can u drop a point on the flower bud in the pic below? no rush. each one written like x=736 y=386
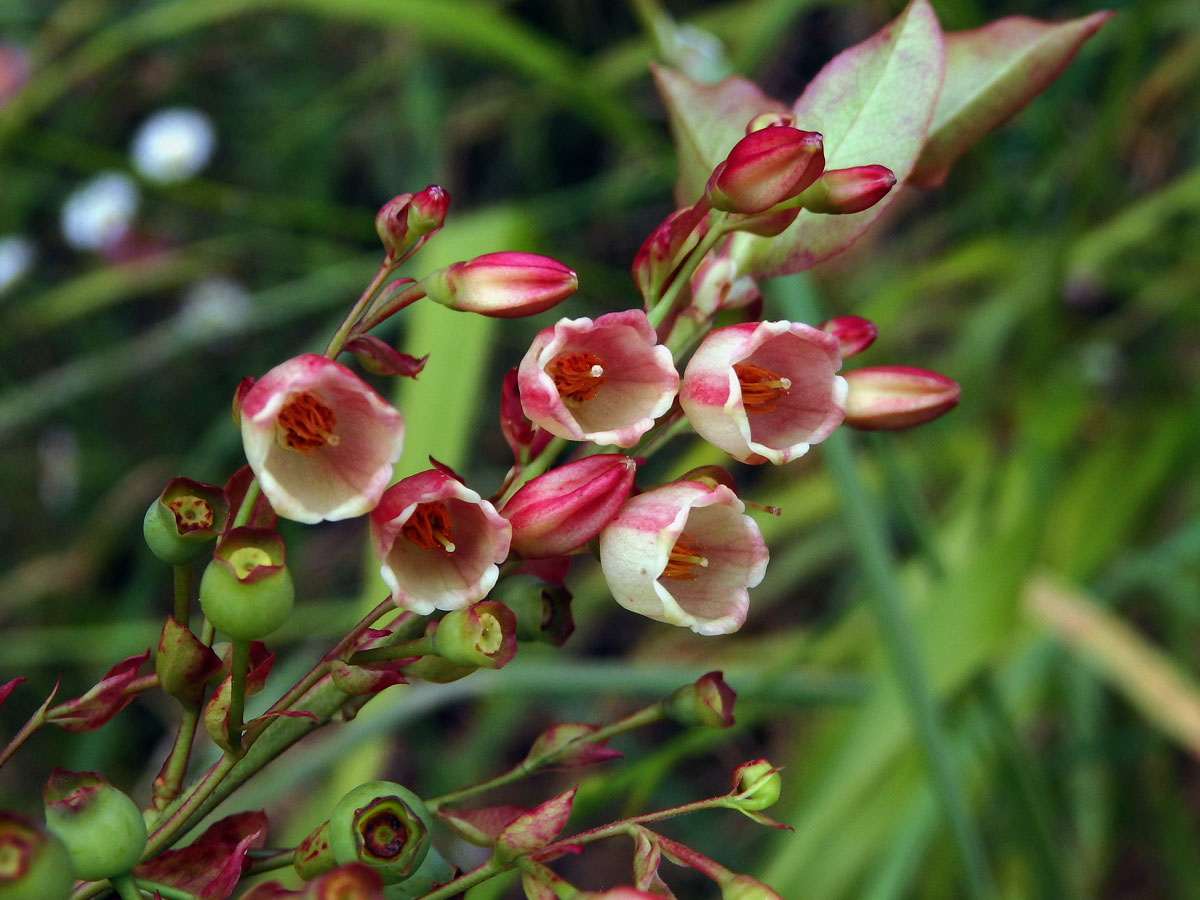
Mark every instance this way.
x=408 y=218
x=483 y=635
x=383 y=825
x=102 y=828
x=502 y=285
x=743 y=887
x=854 y=334
x=842 y=191
x=764 y=168
x=756 y=785
x=184 y=518
x=888 y=398
x=566 y=507
x=246 y=591
x=655 y=263
x=34 y=864
x=707 y=702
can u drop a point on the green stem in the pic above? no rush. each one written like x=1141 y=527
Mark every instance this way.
x=869 y=540
x=533 y=468
x=36 y=721
x=239 y=667
x=658 y=314
x=269 y=860
x=164 y=890
x=125 y=886
x=178 y=816
x=167 y=785
x=247 y=506
x=489 y=869
x=334 y=347
x=422 y=646
x=183 y=592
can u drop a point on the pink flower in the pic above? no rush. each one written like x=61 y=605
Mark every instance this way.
x=685 y=554
x=502 y=285
x=319 y=440
x=437 y=542
x=604 y=381
x=764 y=391
x=565 y=508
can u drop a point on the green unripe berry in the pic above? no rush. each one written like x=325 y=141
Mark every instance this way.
x=102 y=828
x=384 y=825
x=756 y=785
x=246 y=591
x=184 y=519
x=34 y=864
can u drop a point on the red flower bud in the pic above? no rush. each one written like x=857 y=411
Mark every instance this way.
x=565 y=508
x=764 y=168
x=888 y=398
x=405 y=221
x=854 y=334
x=502 y=285
x=852 y=190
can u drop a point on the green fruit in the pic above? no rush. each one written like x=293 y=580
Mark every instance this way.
x=246 y=591
x=102 y=828
x=34 y=864
x=384 y=825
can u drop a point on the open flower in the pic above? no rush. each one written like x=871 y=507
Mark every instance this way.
x=320 y=441
x=605 y=380
x=438 y=542
x=684 y=553
x=764 y=391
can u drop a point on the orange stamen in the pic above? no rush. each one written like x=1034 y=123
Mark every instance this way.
x=685 y=556
x=306 y=424
x=429 y=527
x=761 y=388
x=577 y=375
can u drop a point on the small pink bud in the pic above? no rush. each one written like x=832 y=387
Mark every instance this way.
x=707 y=702
x=565 y=508
x=841 y=191
x=502 y=285
x=854 y=334
x=888 y=398
x=407 y=219
x=764 y=168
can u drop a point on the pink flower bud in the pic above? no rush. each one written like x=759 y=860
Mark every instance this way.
x=841 y=191
x=502 y=285
x=659 y=256
x=565 y=508
x=888 y=398
x=854 y=334
x=764 y=168
x=605 y=380
x=321 y=442
x=684 y=554
x=438 y=542
x=408 y=218
x=764 y=391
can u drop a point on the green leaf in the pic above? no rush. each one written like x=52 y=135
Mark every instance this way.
x=706 y=121
x=873 y=104
x=991 y=73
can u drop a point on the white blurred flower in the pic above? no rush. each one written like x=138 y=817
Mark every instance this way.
x=16 y=259
x=214 y=306
x=100 y=211
x=173 y=144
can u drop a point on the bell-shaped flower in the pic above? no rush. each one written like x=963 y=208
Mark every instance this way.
x=438 y=543
x=321 y=442
x=764 y=391
x=684 y=553
x=566 y=507
x=604 y=380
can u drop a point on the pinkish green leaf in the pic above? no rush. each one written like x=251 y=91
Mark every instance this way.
x=706 y=121
x=536 y=828
x=210 y=867
x=991 y=73
x=873 y=104
x=483 y=825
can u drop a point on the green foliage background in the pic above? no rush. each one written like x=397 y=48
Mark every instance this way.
x=1040 y=545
